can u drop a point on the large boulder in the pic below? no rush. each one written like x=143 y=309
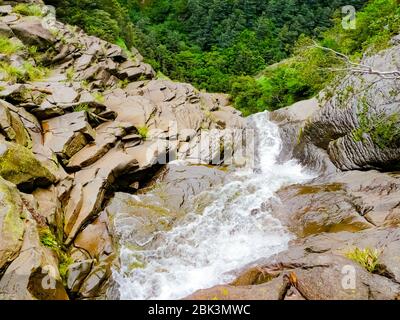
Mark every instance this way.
x=34 y=274
x=11 y=222
x=19 y=165
x=166 y=199
x=30 y=31
x=358 y=127
x=67 y=134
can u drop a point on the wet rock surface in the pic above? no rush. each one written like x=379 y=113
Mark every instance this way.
x=161 y=204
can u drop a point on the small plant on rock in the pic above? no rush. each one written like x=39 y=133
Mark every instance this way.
x=143 y=132
x=82 y=107
x=367 y=258
x=35 y=73
x=8 y=46
x=70 y=74
x=48 y=239
x=28 y=9
x=98 y=97
x=10 y=73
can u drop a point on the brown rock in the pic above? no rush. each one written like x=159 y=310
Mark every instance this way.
x=34 y=274
x=66 y=135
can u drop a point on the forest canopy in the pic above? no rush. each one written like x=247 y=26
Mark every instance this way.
x=256 y=50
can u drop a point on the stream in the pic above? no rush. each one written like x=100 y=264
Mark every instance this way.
x=227 y=234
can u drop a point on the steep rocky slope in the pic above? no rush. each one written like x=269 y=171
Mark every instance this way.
x=81 y=119
x=346 y=221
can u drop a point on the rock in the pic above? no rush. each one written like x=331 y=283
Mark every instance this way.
x=63 y=95
x=11 y=222
x=314 y=208
x=116 y=53
x=77 y=273
x=11 y=124
x=50 y=208
x=96 y=239
x=19 y=165
x=5 y=30
x=293 y=116
x=291 y=121
x=34 y=274
x=5 y=10
x=314 y=270
x=224 y=118
x=31 y=32
x=131 y=109
x=92 y=285
x=106 y=135
x=164 y=201
x=376 y=194
x=357 y=126
x=273 y=290
x=67 y=134
x=91 y=183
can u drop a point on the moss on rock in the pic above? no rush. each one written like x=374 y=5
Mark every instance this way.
x=11 y=222
x=19 y=165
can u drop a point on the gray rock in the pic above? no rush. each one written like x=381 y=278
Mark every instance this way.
x=77 y=273
x=31 y=32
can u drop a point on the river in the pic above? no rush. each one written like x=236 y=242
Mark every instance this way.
x=229 y=233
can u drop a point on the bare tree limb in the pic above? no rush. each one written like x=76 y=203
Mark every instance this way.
x=354 y=67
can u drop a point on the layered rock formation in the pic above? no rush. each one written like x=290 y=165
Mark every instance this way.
x=82 y=119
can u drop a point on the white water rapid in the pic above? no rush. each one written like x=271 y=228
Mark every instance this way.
x=229 y=233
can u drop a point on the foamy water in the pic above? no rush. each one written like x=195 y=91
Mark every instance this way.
x=229 y=233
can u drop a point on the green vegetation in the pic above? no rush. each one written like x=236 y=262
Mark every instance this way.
x=259 y=51
x=367 y=258
x=11 y=73
x=107 y=19
x=70 y=74
x=98 y=97
x=27 y=72
x=8 y=46
x=383 y=129
x=82 y=107
x=143 y=132
x=48 y=239
x=34 y=73
x=28 y=9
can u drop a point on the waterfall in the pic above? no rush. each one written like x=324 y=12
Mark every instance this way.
x=229 y=233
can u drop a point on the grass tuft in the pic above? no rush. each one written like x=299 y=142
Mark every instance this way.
x=28 y=9
x=367 y=258
x=143 y=132
x=8 y=46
